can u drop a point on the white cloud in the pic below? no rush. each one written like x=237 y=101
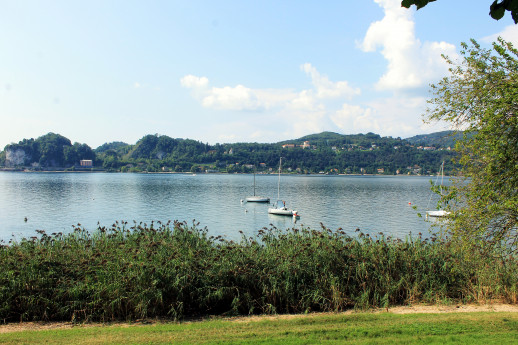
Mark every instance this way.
x=355 y=119
x=411 y=64
x=193 y=82
x=231 y=98
x=241 y=97
x=326 y=88
x=327 y=104
x=227 y=138
x=399 y=115
x=302 y=121
x=510 y=34
x=305 y=100
x=234 y=98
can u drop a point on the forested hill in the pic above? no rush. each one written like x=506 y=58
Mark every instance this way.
x=437 y=139
x=326 y=152
x=336 y=139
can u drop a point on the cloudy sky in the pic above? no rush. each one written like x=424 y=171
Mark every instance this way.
x=226 y=71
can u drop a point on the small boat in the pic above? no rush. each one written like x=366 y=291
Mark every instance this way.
x=281 y=209
x=256 y=198
x=438 y=213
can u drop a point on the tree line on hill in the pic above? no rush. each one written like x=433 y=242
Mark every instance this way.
x=327 y=152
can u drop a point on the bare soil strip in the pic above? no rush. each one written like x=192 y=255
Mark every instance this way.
x=417 y=309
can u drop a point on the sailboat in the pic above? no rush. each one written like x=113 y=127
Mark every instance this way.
x=280 y=208
x=438 y=213
x=256 y=198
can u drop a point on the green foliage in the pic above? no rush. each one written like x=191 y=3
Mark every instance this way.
x=50 y=150
x=176 y=271
x=496 y=10
x=437 y=139
x=328 y=152
x=418 y=3
x=481 y=95
x=73 y=154
x=116 y=146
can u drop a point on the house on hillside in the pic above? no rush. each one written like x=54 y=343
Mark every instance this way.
x=86 y=163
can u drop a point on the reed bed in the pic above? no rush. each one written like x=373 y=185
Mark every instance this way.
x=176 y=271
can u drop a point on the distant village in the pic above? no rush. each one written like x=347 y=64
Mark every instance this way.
x=410 y=170
x=353 y=147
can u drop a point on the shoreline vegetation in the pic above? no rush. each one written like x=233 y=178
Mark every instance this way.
x=202 y=173
x=101 y=170
x=175 y=271
x=323 y=153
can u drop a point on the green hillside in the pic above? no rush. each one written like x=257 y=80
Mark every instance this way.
x=437 y=139
x=336 y=139
x=326 y=152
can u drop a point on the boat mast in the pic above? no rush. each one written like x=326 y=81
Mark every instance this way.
x=442 y=175
x=279 y=182
x=254 y=181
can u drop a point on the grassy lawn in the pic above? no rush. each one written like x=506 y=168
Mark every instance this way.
x=358 y=328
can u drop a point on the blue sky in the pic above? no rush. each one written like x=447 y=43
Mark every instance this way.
x=227 y=71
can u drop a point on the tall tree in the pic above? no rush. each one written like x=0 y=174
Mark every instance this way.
x=496 y=9
x=481 y=96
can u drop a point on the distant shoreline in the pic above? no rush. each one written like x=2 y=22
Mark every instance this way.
x=201 y=173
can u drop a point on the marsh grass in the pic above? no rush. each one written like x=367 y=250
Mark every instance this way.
x=176 y=271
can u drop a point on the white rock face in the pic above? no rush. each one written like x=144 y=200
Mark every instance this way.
x=15 y=157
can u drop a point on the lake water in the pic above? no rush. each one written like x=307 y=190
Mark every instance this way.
x=55 y=201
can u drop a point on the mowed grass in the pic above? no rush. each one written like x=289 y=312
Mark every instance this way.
x=356 y=328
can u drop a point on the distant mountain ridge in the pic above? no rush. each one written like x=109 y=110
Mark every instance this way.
x=332 y=138
x=325 y=152
x=437 y=139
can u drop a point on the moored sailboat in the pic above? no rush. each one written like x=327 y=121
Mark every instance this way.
x=438 y=213
x=280 y=207
x=257 y=198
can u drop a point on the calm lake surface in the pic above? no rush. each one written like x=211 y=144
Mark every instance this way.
x=55 y=201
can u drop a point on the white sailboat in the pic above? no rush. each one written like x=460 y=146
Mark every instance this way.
x=438 y=213
x=280 y=207
x=257 y=198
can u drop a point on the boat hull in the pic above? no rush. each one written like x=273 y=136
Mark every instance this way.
x=282 y=211
x=439 y=213
x=257 y=199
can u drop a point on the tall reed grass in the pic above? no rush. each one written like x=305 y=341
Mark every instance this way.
x=176 y=270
